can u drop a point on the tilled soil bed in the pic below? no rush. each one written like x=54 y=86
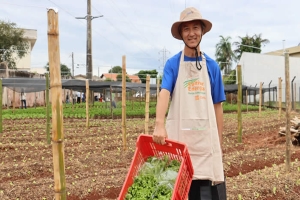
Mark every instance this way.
x=96 y=164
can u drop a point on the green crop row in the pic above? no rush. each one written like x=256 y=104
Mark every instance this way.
x=101 y=110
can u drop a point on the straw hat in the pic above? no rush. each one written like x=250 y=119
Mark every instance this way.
x=189 y=14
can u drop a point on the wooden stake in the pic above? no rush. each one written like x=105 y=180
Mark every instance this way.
x=47 y=110
x=287 y=111
x=87 y=93
x=239 y=103
x=124 y=101
x=147 y=105
x=57 y=108
x=279 y=96
x=260 y=98
x=111 y=110
x=295 y=97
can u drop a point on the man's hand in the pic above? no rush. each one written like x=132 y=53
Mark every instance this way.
x=160 y=135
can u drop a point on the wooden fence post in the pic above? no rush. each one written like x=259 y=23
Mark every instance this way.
x=87 y=96
x=279 y=96
x=147 y=105
x=57 y=108
x=239 y=103
x=124 y=101
x=47 y=110
x=287 y=111
x=260 y=98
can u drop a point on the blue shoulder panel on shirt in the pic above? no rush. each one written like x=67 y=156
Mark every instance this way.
x=171 y=73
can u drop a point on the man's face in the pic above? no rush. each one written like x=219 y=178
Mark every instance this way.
x=191 y=33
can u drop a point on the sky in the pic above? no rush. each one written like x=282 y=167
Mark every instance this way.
x=141 y=30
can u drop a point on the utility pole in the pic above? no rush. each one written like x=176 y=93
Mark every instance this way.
x=73 y=65
x=89 y=18
x=164 y=51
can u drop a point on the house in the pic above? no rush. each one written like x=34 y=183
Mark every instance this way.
x=113 y=77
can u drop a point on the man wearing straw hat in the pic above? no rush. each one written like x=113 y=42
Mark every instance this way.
x=194 y=83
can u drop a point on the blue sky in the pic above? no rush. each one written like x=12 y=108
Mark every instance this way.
x=140 y=29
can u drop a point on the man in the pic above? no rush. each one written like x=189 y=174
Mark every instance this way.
x=194 y=82
x=23 y=100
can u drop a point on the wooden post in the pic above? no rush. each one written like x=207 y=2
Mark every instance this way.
x=57 y=108
x=287 y=111
x=47 y=110
x=260 y=98
x=1 y=89
x=87 y=93
x=279 y=96
x=239 y=103
x=295 y=97
x=111 y=110
x=147 y=105
x=157 y=89
x=124 y=101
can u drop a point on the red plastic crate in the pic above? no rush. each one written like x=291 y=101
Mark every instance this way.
x=145 y=148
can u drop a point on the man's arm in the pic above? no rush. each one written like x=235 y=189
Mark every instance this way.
x=219 y=118
x=160 y=133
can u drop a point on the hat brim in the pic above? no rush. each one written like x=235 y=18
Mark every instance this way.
x=175 y=26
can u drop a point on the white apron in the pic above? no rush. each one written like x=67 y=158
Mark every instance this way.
x=191 y=120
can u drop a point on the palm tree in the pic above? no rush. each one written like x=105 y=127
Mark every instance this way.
x=249 y=44
x=258 y=41
x=224 y=54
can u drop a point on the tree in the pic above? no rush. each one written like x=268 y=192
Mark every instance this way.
x=249 y=44
x=13 y=45
x=230 y=78
x=108 y=79
x=143 y=74
x=64 y=70
x=224 y=54
x=119 y=78
x=115 y=69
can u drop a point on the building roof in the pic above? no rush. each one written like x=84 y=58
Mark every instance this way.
x=293 y=51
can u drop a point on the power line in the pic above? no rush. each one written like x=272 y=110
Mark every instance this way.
x=121 y=30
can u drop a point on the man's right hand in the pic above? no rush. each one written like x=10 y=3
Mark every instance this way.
x=160 y=135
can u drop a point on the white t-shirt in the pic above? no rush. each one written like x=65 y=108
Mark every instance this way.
x=23 y=96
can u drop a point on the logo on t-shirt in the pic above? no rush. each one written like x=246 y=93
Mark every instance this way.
x=195 y=87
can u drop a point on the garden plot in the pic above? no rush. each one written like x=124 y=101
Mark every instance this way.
x=96 y=164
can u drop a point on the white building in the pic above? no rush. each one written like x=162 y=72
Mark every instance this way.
x=266 y=68
x=25 y=62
